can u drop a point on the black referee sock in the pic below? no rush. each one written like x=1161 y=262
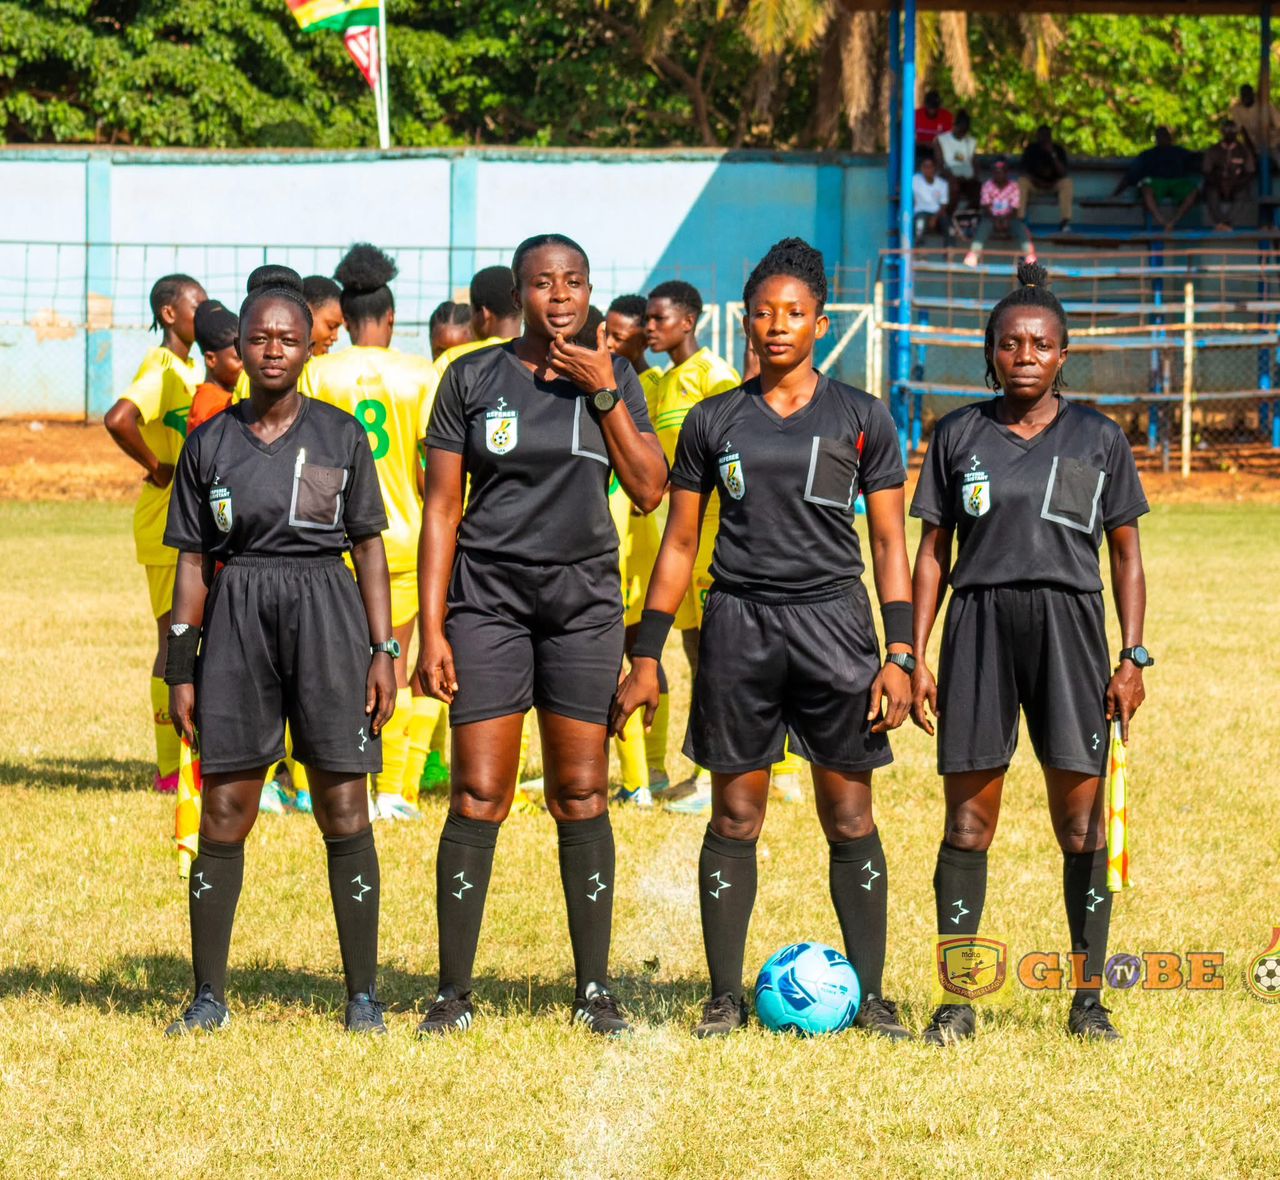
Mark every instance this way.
x=463 y=868
x=726 y=895
x=1084 y=888
x=959 y=889
x=214 y=889
x=860 y=891
x=356 y=888
x=586 y=871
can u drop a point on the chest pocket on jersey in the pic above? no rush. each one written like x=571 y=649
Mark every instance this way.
x=317 y=495
x=833 y=473
x=1072 y=494
x=588 y=438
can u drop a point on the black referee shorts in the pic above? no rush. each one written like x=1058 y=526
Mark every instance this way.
x=1038 y=647
x=542 y=636
x=285 y=639
x=766 y=670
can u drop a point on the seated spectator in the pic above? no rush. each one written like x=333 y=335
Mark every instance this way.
x=1001 y=206
x=932 y=120
x=953 y=152
x=929 y=198
x=1259 y=122
x=1164 y=172
x=1228 y=168
x=1044 y=170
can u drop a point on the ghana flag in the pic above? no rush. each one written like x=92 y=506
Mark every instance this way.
x=338 y=15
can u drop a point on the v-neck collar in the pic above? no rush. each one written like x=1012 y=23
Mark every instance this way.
x=509 y=351
x=779 y=422
x=1023 y=444
x=272 y=447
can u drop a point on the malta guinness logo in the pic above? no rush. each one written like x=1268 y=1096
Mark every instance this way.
x=501 y=428
x=970 y=967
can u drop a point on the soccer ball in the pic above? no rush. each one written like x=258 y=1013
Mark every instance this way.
x=807 y=989
x=1266 y=975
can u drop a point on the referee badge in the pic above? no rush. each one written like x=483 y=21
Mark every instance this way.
x=977 y=490
x=501 y=428
x=731 y=473
x=220 y=502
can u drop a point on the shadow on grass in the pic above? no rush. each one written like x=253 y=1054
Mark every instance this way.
x=141 y=983
x=80 y=774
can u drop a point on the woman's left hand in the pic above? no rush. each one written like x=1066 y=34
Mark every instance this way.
x=1124 y=694
x=892 y=686
x=588 y=368
x=380 y=691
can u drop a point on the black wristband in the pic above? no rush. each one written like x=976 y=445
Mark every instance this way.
x=896 y=618
x=655 y=626
x=180 y=658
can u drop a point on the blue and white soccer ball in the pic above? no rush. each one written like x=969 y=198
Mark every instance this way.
x=808 y=989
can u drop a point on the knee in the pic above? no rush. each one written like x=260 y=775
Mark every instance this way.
x=739 y=821
x=224 y=818
x=479 y=801
x=1079 y=834
x=345 y=812
x=848 y=823
x=577 y=799
x=968 y=832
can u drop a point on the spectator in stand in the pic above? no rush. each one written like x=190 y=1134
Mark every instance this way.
x=929 y=197
x=1044 y=170
x=1259 y=122
x=932 y=120
x=1228 y=168
x=953 y=151
x=1001 y=205
x=1164 y=172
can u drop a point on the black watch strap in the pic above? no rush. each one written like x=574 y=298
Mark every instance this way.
x=904 y=659
x=1137 y=655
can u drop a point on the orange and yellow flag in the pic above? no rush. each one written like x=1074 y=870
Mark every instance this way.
x=186 y=826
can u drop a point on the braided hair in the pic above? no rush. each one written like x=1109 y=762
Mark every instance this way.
x=365 y=272
x=449 y=313
x=1032 y=291
x=165 y=292
x=277 y=282
x=795 y=258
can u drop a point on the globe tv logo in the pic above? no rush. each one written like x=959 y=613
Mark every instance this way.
x=1151 y=971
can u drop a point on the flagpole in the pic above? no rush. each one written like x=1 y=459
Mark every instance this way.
x=384 y=107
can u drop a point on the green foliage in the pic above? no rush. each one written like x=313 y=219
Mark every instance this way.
x=239 y=73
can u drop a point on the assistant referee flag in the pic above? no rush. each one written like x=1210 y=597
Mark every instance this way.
x=338 y=15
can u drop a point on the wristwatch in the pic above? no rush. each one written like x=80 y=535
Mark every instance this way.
x=604 y=400
x=1137 y=655
x=391 y=647
x=904 y=659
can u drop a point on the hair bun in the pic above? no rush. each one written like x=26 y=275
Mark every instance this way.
x=274 y=275
x=365 y=268
x=1032 y=274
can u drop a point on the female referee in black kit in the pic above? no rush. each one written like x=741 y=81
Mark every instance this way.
x=1029 y=483
x=278 y=487
x=521 y=605
x=788 y=644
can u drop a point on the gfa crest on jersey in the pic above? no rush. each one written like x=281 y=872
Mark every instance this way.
x=731 y=473
x=501 y=428
x=220 y=502
x=976 y=492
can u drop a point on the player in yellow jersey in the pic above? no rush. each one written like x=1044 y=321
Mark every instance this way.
x=696 y=373
x=324 y=297
x=389 y=393
x=148 y=423
x=640 y=758
x=449 y=326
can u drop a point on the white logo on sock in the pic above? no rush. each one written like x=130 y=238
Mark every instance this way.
x=961 y=911
x=721 y=885
x=600 y=886
x=204 y=885
x=872 y=874
x=358 y=879
x=465 y=884
x=1093 y=899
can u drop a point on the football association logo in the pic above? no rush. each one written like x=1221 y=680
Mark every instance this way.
x=969 y=967
x=502 y=428
x=1262 y=976
x=976 y=492
x=220 y=502
x=731 y=474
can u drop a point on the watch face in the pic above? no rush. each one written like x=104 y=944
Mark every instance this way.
x=1140 y=655
x=605 y=399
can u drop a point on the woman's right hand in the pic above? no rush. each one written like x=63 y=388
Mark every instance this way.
x=182 y=710
x=435 y=667
x=639 y=687
x=924 y=690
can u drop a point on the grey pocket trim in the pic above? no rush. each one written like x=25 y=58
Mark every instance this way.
x=808 y=483
x=577 y=437
x=294 y=519
x=1045 y=514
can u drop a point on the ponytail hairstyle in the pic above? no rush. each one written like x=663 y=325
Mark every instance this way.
x=276 y=281
x=795 y=258
x=1032 y=291
x=365 y=274
x=165 y=292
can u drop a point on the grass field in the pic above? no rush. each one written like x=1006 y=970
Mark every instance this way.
x=93 y=958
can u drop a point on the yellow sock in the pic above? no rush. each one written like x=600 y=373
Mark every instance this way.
x=791 y=762
x=655 y=741
x=422 y=723
x=166 y=736
x=632 y=757
x=395 y=745
x=525 y=732
x=440 y=735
